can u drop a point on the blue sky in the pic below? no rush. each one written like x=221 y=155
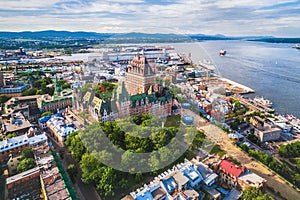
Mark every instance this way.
x=231 y=17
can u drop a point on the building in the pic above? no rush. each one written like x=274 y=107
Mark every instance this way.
x=2 y=80
x=60 y=100
x=53 y=185
x=180 y=182
x=16 y=124
x=238 y=177
x=210 y=178
x=268 y=133
x=24 y=185
x=15 y=89
x=136 y=95
x=257 y=122
x=191 y=172
x=53 y=103
x=15 y=145
x=60 y=128
x=139 y=76
x=25 y=104
x=43 y=120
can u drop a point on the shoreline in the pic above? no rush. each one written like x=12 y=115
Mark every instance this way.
x=245 y=88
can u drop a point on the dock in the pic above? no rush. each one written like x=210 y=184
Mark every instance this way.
x=235 y=87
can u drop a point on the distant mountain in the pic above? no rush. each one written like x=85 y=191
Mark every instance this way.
x=52 y=34
x=135 y=37
x=277 y=40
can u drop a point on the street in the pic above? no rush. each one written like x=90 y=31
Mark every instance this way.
x=220 y=137
x=83 y=191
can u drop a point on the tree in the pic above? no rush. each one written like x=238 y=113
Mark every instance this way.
x=253 y=193
x=66 y=86
x=11 y=135
x=61 y=153
x=4 y=98
x=253 y=138
x=290 y=150
x=75 y=146
x=27 y=153
x=29 y=92
x=72 y=171
x=26 y=164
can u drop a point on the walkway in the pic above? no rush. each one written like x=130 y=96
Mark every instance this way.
x=218 y=136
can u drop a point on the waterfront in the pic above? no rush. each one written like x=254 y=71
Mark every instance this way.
x=272 y=70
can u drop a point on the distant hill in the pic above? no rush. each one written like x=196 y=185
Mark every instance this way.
x=52 y=34
x=135 y=37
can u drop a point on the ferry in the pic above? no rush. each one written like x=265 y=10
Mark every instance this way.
x=222 y=52
x=296 y=46
x=265 y=102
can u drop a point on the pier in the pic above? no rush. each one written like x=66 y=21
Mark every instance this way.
x=235 y=87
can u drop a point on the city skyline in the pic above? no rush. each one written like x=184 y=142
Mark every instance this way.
x=231 y=18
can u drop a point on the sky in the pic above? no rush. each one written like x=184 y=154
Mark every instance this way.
x=227 y=17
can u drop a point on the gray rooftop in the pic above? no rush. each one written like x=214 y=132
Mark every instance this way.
x=22 y=175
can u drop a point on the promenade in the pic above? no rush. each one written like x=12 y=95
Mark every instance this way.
x=218 y=136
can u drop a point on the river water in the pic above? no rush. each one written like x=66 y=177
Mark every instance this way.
x=272 y=70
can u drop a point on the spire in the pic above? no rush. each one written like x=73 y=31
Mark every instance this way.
x=58 y=88
x=150 y=90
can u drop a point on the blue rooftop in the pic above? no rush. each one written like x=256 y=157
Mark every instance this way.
x=145 y=196
x=47 y=117
x=170 y=185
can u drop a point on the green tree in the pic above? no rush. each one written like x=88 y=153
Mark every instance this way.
x=66 y=86
x=4 y=98
x=27 y=153
x=72 y=171
x=29 y=92
x=75 y=146
x=290 y=150
x=11 y=135
x=253 y=193
x=25 y=164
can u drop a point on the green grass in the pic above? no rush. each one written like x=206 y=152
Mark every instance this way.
x=217 y=150
x=173 y=121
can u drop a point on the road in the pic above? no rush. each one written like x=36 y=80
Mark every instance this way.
x=218 y=136
x=83 y=191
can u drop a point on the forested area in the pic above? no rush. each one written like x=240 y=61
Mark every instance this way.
x=131 y=137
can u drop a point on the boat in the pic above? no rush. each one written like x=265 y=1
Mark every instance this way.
x=222 y=52
x=265 y=102
x=296 y=46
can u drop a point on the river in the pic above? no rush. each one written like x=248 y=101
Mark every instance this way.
x=272 y=70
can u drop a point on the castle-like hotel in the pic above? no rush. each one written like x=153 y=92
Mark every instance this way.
x=138 y=93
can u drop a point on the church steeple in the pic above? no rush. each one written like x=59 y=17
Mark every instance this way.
x=58 y=88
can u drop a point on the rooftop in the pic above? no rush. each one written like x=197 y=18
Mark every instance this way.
x=14 y=142
x=17 y=122
x=22 y=175
x=21 y=98
x=57 y=191
x=252 y=178
x=60 y=126
x=37 y=139
x=230 y=168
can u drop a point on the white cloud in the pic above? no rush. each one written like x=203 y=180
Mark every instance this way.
x=231 y=17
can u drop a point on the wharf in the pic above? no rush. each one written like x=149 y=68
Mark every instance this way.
x=235 y=87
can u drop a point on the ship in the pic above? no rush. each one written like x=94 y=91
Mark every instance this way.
x=296 y=46
x=222 y=52
x=265 y=102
